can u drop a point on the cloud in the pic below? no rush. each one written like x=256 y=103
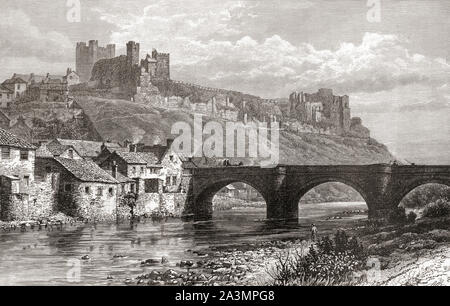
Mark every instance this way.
x=20 y=38
x=208 y=44
x=275 y=66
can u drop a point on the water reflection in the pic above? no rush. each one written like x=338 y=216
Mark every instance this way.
x=116 y=250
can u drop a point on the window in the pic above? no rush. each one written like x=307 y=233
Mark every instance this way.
x=142 y=170
x=171 y=158
x=99 y=191
x=174 y=180
x=133 y=187
x=67 y=187
x=168 y=180
x=134 y=170
x=23 y=155
x=26 y=180
x=6 y=153
x=111 y=191
x=70 y=153
x=87 y=189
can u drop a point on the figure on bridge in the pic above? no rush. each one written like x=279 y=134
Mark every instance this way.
x=313 y=232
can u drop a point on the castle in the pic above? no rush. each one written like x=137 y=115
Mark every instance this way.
x=87 y=56
x=321 y=107
x=148 y=81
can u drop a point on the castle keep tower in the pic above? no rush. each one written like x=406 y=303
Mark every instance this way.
x=88 y=55
x=132 y=53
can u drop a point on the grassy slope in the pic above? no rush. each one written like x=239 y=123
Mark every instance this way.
x=119 y=120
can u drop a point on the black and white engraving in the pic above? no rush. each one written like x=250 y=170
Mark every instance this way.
x=224 y=143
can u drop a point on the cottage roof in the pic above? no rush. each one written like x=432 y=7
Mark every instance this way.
x=43 y=151
x=85 y=148
x=5 y=89
x=120 y=177
x=86 y=170
x=55 y=149
x=142 y=158
x=14 y=80
x=11 y=140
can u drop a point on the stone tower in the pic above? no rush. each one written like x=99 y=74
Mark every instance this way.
x=162 y=64
x=88 y=55
x=132 y=53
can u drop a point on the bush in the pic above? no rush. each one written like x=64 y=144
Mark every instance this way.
x=440 y=208
x=397 y=216
x=426 y=194
x=330 y=262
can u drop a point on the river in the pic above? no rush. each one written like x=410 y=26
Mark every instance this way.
x=114 y=251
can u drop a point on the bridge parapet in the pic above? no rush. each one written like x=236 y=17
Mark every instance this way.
x=381 y=185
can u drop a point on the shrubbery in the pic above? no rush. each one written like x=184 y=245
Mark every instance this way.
x=330 y=261
x=439 y=208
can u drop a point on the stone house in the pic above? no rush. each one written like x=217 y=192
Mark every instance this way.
x=6 y=96
x=79 y=187
x=17 y=160
x=17 y=85
x=71 y=77
x=145 y=172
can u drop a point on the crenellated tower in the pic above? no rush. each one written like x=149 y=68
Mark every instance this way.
x=133 y=53
x=88 y=55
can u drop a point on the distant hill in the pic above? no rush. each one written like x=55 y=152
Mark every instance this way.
x=119 y=120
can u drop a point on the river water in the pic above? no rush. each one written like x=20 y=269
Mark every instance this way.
x=54 y=257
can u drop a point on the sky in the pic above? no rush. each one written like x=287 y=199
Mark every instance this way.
x=395 y=68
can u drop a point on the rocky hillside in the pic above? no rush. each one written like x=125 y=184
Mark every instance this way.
x=35 y=121
x=120 y=119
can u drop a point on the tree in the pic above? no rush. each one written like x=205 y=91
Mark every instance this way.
x=130 y=200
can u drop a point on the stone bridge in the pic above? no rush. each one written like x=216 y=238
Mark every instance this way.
x=382 y=186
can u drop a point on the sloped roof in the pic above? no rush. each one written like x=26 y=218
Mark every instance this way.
x=85 y=148
x=5 y=89
x=11 y=140
x=120 y=177
x=43 y=151
x=14 y=80
x=86 y=170
x=57 y=149
x=142 y=158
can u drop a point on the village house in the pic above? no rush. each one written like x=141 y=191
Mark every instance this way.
x=76 y=186
x=6 y=96
x=17 y=85
x=71 y=77
x=17 y=161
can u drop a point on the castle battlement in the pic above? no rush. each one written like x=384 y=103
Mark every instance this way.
x=88 y=54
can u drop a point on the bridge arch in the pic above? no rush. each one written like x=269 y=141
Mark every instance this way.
x=208 y=191
x=407 y=188
x=311 y=184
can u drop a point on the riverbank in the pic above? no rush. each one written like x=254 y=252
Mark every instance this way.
x=417 y=254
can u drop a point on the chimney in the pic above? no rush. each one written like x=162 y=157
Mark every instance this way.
x=169 y=142
x=114 y=169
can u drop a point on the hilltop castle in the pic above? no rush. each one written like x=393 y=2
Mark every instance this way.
x=321 y=107
x=87 y=56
